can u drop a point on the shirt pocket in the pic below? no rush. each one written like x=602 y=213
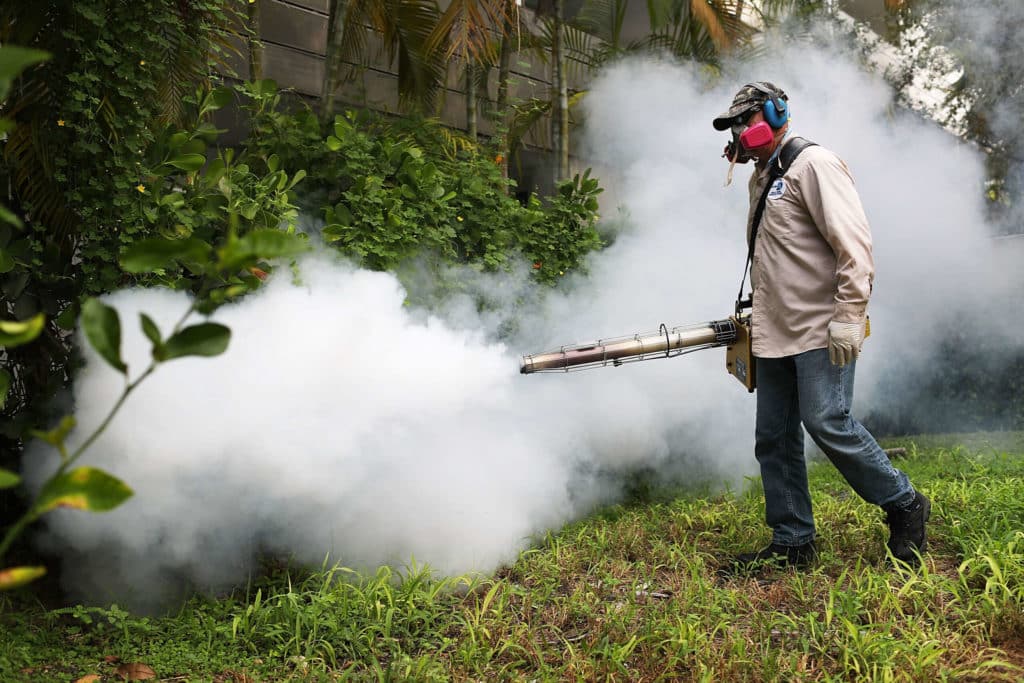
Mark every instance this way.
x=781 y=214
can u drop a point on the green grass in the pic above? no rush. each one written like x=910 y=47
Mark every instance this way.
x=628 y=594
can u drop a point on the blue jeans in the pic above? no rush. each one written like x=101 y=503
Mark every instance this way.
x=807 y=388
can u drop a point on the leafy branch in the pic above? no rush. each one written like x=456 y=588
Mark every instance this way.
x=92 y=489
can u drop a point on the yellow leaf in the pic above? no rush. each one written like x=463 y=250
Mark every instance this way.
x=78 y=502
x=84 y=488
x=13 y=577
x=90 y=678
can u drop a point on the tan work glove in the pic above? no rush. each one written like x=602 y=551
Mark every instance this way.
x=844 y=342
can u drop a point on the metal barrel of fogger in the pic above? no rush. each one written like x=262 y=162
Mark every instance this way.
x=661 y=344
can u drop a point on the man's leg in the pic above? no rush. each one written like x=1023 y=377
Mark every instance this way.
x=826 y=394
x=779 y=448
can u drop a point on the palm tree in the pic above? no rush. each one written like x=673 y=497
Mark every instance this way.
x=476 y=32
x=404 y=27
x=697 y=29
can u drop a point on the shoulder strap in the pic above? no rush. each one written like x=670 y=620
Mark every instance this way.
x=790 y=151
x=778 y=169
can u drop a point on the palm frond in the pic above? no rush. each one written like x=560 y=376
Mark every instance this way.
x=405 y=27
x=185 y=64
x=580 y=45
x=693 y=23
x=466 y=28
x=27 y=154
x=424 y=73
x=454 y=143
x=524 y=118
x=708 y=15
x=28 y=151
x=603 y=19
x=583 y=53
x=356 y=18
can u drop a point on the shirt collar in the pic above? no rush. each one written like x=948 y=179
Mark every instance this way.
x=775 y=154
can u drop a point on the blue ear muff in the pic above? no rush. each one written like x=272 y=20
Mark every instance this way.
x=776 y=112
x=775 y=108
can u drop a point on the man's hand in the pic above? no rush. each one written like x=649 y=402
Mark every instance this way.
x=844 y=342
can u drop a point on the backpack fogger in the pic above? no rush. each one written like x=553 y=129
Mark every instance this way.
x=733 y=333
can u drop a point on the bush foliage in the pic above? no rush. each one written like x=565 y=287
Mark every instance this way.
x=392 y=189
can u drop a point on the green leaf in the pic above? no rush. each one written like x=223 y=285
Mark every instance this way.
x=188 y=162
x=6 y=215
x=334 y=232
x=8 y=479
x=175 y=200
x=5 y=386
x=14 y=285
x=84 y=488
x=194 y=146
x=17 y=332
x=14 y=59
x=333 y=143
x=15 y=577
x=340 y=214
x=67 y=318
x=150 y=329
x=102 y=328
x=299 y=175
x=155 y=253
x=260 y=245
x=266 y=86
x=215 y=171
x=343 y=128
x=217 y=99
x=204 y=339
x=56 y=436
x=177 y=140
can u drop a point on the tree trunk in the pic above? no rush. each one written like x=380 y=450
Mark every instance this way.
x=471 y=121
x=332 y=61
x=560 y=115
x=255 y=47
x=502 y=114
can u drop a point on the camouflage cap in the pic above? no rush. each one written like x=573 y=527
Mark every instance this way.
x=747 y=99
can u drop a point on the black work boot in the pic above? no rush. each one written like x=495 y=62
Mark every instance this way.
x=773 y=557
x=906 y=529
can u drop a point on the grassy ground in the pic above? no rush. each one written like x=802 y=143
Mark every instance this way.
x=630 y=594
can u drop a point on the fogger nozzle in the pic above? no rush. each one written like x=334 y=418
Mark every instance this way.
x=664 y=343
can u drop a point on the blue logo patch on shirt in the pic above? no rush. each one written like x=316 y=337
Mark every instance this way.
x=778 y=188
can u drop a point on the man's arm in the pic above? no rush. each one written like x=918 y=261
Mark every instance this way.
x=833 y=202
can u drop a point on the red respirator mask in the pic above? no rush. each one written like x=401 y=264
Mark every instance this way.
x=756 y=136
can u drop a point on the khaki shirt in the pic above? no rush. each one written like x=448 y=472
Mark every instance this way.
x=812 y=261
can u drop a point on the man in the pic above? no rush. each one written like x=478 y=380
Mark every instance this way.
x=811 y=277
